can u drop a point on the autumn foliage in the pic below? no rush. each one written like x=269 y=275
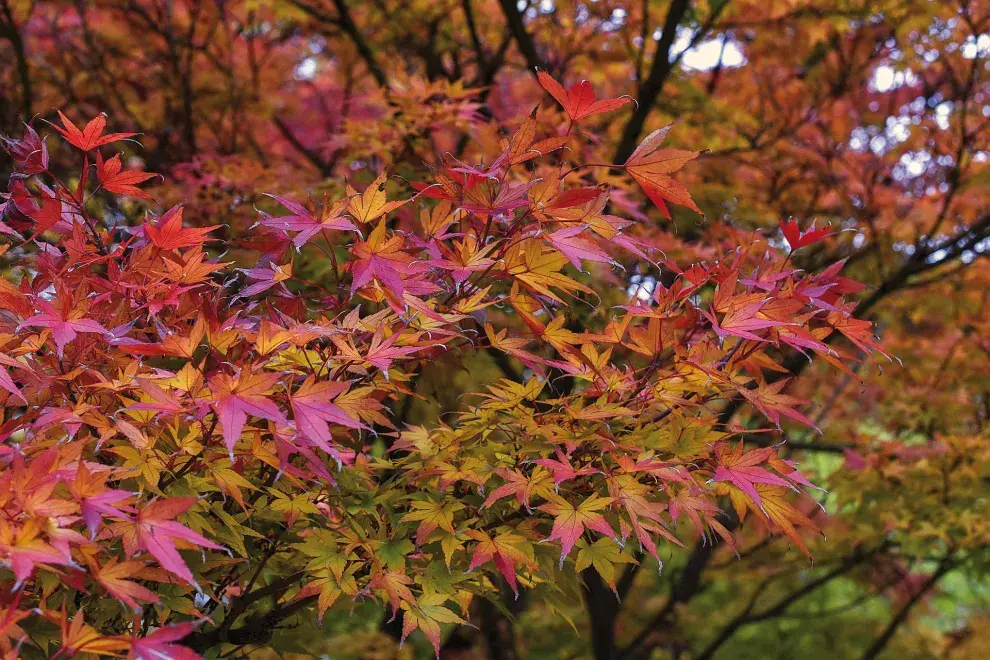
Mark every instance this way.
x=206 y=427
x=141 y=372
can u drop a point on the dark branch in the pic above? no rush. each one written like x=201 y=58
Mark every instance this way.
x=687 y=585
x=323 y=166
x=881 y=642
x=523 y=39
x=746 y=617
x=650 y=89
x=346 y=23
x=12 y=34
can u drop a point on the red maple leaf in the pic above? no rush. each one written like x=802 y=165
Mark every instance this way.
x=858 y=331
x=570 y=521
x=234 y=398
x=65 y=323
x=96 y=500
x=265 y=277
x=48 y=212
x=159 y=644
x=575 y=248
x=112 y=576
x=798 y=239
x=562 y=469
x=313 y=409
x=579 y=101
x=31 y=152
x=651 y=167
x=6 y=382
x=769 y=400
x=112 y=179
x=517 y=484
x=741 y=312
x=380 y=353
x=305 y=223
x=742 y=469
x=154 y=530
x=90 y=137
x=501 y=551
x=169 y=234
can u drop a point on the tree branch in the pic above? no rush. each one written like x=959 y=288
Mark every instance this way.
x=518 y=29
x=745 y=617
x=687 y=585
x=14 y=37
x=346 y=23
x=308 y=153
x=257 y=630
x=650 y=88
x=946 y=565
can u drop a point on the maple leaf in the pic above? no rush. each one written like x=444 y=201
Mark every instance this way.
x=644 y=515
x=579 y=101
x=382 y=258
x=798 y=239
x=576 y=248
x=742 y=469
x=30 y=152
x=690 y=502
x=650 y=166
x=493 y=198
x=22 y=549
x=91 y=136
x=514 y=346
x=432 y=514
x=313 y=409
x=64 y=323
x=112 y=179
x=427 y=614
x=522 y=486
x=234 y=398
x=80 y=637
x=570 y=521
x=7 y=383
x=155 y=531
x=160 y=643
x=647 y=341
x=9 y=617
x=112 y=576
x=741 y=312
x=175 y=345
x=396 y=588
x=305 y=223
x=464 y=258
x=158 y=399
x=372 y=203
x=46 y=211
x=191 y=266
x=169 y=234
x=523 y=146
x=782 y=514
x=265 y=277
x=562 y=469
x=858 y=331
x=380 y=353
x=504 y=550
x=538 y=269
x=603 y=555
x=769 y=400
x=96 y=500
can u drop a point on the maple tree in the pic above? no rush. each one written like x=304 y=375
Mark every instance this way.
x=419 y=325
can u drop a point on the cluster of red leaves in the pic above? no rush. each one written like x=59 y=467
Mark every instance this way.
x=157 y=402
